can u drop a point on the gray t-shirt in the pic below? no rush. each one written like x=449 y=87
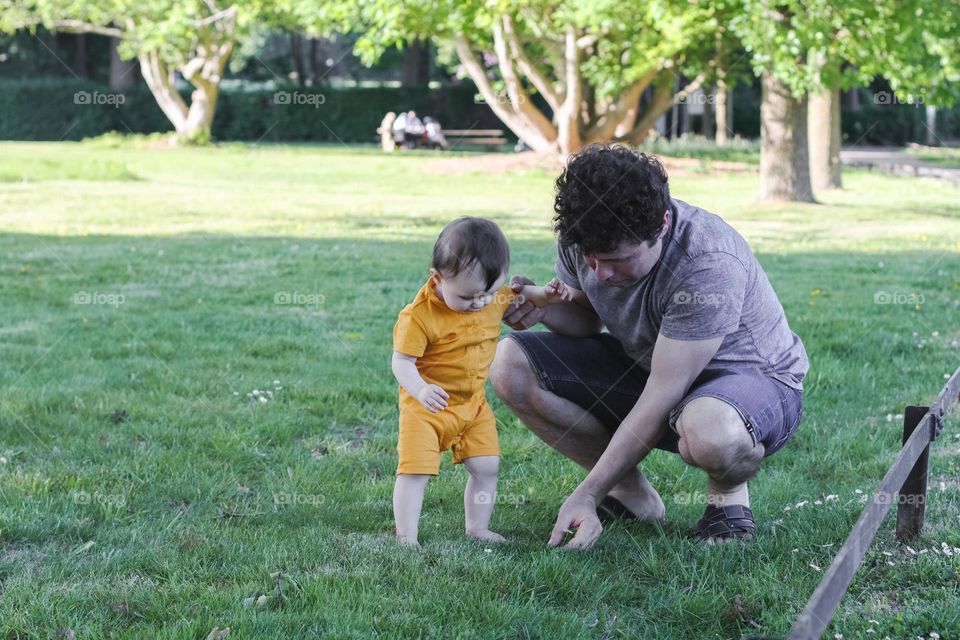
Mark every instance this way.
x=706 y=284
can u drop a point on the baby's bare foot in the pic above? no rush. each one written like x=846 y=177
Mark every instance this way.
x=486 y=535
x=408 y=540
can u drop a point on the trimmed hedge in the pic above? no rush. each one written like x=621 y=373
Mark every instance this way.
x=58 y=109
x=68 y=109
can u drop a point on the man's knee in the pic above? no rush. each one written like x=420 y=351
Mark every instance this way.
x=510 y=373
x=714 y=437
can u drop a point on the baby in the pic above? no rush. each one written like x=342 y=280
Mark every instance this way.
x=443 y=344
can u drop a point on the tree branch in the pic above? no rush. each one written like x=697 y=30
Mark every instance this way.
x=620 y=118
x=568 y=120
x=663 y=96
x=78 y=26
x=518 y=96
x=543 y=84
x=532 y=136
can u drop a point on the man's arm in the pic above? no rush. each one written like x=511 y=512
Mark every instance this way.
x=676 y=364
x=576 y=318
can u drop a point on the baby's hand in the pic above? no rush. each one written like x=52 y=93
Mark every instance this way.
x=432 y=397
x=557 y=290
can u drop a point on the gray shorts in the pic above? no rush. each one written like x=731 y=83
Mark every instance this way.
x=597 y=375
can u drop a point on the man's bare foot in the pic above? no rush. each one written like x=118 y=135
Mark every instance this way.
x=486 y=535
x=639 y=496
x=410 y=541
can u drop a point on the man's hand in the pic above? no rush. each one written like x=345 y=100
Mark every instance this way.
x=522 y=314
x=579 y=511
x=432 y=397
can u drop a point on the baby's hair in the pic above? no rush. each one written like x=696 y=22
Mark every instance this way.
x=468 y=241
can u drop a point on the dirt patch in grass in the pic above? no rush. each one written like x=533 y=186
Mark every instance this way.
x=497 y=163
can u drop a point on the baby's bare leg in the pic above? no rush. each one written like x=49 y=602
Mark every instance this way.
x=407 y=503
x=480 y=496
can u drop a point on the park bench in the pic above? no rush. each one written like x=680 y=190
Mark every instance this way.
x=491 y=139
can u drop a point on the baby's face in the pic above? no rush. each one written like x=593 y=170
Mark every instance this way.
x=467 y=291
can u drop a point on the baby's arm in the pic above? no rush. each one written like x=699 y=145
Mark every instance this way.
x=430 y=395
x=551 y=293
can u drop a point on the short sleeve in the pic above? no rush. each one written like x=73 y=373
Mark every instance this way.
x=567 y=267
x=705 y=299
x=504 y=297
x=409 y=334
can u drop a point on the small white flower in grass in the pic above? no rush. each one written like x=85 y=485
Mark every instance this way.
x=870 y=631
x=858 y=491
x=818 y=502
x=815 y=567
x=889 y=417
x=801 y=504
x=889 y=563
x=831 y=497
x=786 y=509
x=255 y=392
x=262 y=399
x=923 y=551
x=838 y=636
x=934 y=635
x=276 y=382
x=873 y=622
x=3 y=460
x=488 y=550
x=915 y=334
x=795 y=551
x=935 y=334
x=911 y=551
x=888 y=554
x=236 y=393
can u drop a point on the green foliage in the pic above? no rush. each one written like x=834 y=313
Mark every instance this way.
x=173 y=28
x=809 y=43
x=633 y=37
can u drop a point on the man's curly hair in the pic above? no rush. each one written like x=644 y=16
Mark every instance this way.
x=608 y=195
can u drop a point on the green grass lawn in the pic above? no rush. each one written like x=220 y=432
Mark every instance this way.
x=144 y=493
x=948 y=157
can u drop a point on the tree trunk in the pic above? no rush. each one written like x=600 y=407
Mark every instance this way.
x=123 y=73
x=723 y=114
x=314 y=62
x=416 y=64
x=204 y=71
x=81 y=61
x=568 y=119
x=784 y=155
x=823 y=129
x=661 y=103
x=932 y=139
x=161 y=83
x=296 y=53
x=521 y=116
x=708 y=117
